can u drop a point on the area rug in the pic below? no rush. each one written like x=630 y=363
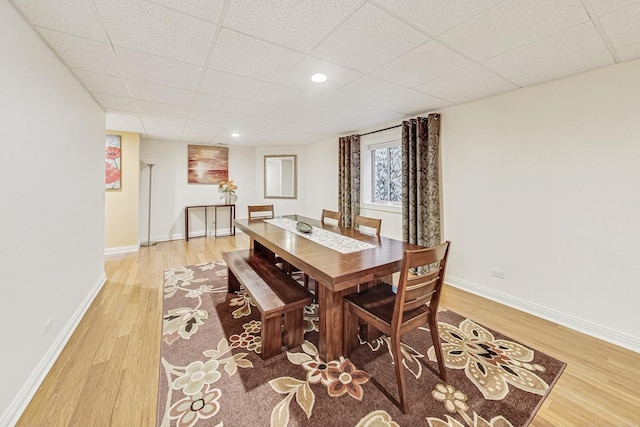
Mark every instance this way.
x=211 y=372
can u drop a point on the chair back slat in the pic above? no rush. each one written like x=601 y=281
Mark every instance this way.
x=364 y=221
x=336 y=216
x=260 y=211
x=417 y=289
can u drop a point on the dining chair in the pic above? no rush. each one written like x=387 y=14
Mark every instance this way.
x=260 y=211
x=337 y=216
x=267 y=212
x=397 y=314
x=363 y=221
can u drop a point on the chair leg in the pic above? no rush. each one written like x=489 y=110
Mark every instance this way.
x=349 y=329
x=397 y=363
x=433 y=326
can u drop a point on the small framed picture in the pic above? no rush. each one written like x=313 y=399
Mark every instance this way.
x=113 y=158
x=207 y=164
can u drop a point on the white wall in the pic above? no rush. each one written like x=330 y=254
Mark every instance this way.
x=170 y=192
x=542 y=183
x=52 y=212
x=320 y=189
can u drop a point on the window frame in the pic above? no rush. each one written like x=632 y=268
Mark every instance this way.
x=388 y=138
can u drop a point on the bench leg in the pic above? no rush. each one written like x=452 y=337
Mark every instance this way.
x=350 y=330
x=294 y=328
x=271 y=337
x=234 y=284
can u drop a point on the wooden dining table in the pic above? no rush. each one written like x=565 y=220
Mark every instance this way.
x=336 y=273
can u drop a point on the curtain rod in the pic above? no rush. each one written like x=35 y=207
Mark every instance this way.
x=437 y=116
x=379 y=130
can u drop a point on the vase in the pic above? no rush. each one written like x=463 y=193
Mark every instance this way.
x=227 y=198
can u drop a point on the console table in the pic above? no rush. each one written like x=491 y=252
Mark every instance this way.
x=232 y=217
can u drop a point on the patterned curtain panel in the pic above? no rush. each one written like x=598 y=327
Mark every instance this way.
x=420 y=180
x=349 y=178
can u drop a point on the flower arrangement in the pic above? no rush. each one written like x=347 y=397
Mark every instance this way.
x=227 y=189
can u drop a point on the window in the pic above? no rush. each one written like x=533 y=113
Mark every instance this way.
x=387 y=174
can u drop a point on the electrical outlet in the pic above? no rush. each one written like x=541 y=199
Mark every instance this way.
x=497 y=273
x=47 y=325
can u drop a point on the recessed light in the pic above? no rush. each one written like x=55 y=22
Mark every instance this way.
x=319 y=78
x=235 y=135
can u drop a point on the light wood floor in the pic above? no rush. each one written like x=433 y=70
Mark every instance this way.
x=107 y=374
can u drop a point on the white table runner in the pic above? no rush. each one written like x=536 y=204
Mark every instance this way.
x=327 y=238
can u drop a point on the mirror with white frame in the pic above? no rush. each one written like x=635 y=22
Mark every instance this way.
x=280 y=178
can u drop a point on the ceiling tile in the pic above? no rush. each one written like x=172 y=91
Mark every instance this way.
x=163 y=127
x=481 y=91
x=558 y=71
x=125 y=121
x=163 y=94
x=252 y=135
x=316 y=129
x=570 y=45
x=222 y=116
x=232 y=85
x=114 y=102
x=198 y=135
x=602 y=7
x=300 y=76
x=154 y=69
x=369 y=39
x=629 y=52
x=367 y=89
x=411 y=102
x=149 y=119
x=314 y=102
x=221 y=103
x=210 y=126
x=427 y=62
x=455 y=84
x=102 y=83
x=68 y=16
x=166 y=110
x=82 y=53
x=295 y=24
x=124 y=126
x=385 y=59
x=150 y=28
x=512 y=24
x=437 y=16
x=333 y=123
x=250 y=57
x=203 y=9
x=622 y=26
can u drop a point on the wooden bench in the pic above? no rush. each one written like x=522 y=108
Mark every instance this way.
x=276 y=295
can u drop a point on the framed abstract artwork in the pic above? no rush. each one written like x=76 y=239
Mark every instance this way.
x=207 y=164
x=113 y=159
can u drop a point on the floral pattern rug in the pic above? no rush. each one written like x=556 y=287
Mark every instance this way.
x=211 y=373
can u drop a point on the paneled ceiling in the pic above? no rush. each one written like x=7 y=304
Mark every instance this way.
x=201 y=70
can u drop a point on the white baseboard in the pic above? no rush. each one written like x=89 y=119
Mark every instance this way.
x=222 y=232
x=122 y=249
x=13 y=413
x=612 y=336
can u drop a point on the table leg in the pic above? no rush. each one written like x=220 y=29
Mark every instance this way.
x=330 y=343
x=215 y=221
x=186 y=224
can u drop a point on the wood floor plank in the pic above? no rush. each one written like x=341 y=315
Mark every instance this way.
x=107 y=375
